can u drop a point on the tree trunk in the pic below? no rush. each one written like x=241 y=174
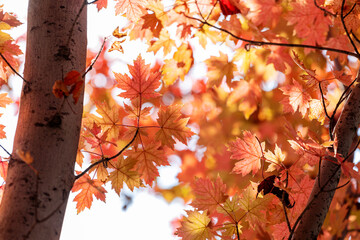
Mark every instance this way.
x=33 y=206
x=310 y=225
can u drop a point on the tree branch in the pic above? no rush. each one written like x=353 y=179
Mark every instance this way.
x=12 y=68
x=262 y=43
x=313 y=216
x=105 y=160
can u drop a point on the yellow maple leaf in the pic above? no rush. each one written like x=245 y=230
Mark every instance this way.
x=196 y=226
x=254 y=205
x=274 y=159
x=179 y=65
x=164 y=42
x=110 y=119
x=123 y=174
x=172 y=126
x=4 y=36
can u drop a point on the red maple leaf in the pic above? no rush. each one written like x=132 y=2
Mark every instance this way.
x=227 y=7
x=209 y=194
x=143 y=82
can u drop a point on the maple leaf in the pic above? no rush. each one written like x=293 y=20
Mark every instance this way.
x=218 y=68
x=154 y=24
x=297 y=98
x=248 y=151
x=178 y=66
x=348 y=170
x=3 y=168
x=100 y=4
x=143 y=84
x=123 y=174
x=310 y=22
x=88 y=188
x=147 y=159
x=133 y=9
x=135 y=111
x=275 y=159
x=110 y=120
x=100 y=170
x=197 y=226
x=164 y=42
x=253 y=204
x=259 y=8
x=227 y=7
x=316 y=110
x=2 y=132
x=231 y=207
x=97 y=139
x=4 y=37
x=209 y=194
x=172 y=126
x=4 y=100
x=9 y=19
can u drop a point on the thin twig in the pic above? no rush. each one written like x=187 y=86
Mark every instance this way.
x=262 y=43
x=237 y=231
x=75 y=21
x=352 y=8
x=92 y=2
x=324 y=10
x=285 y=212
x=5 y=150
x=355 y=37
x=323 y=101
x=12 y=68
x=95 y=59
x=109 y=158
x=341 y=186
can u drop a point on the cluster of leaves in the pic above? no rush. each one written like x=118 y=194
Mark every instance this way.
x=288 y=98
x=143 y=141
x=9 y=50
x=257 y=94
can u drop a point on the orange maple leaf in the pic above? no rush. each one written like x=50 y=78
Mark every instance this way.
x=249 y=152
x=88 y=188
x=101 y=4
x=297 y=98
x=4 y=100
x=209 y=194
x=111 y=116
x=171 y=125
x=147 y=158
x=164 y=42
x=3 y=169
x=310 y=22
x=2 y=132
x=143 y=84
x=218 y=68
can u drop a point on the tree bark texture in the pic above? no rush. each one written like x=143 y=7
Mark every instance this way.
x=33 y=206
x=310 y=225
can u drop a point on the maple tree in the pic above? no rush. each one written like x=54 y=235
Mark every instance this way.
x=266 y=135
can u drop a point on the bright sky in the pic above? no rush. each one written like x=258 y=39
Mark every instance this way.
x=149 y=216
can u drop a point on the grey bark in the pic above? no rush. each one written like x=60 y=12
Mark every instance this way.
x=319 y=202
x=33 y=207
